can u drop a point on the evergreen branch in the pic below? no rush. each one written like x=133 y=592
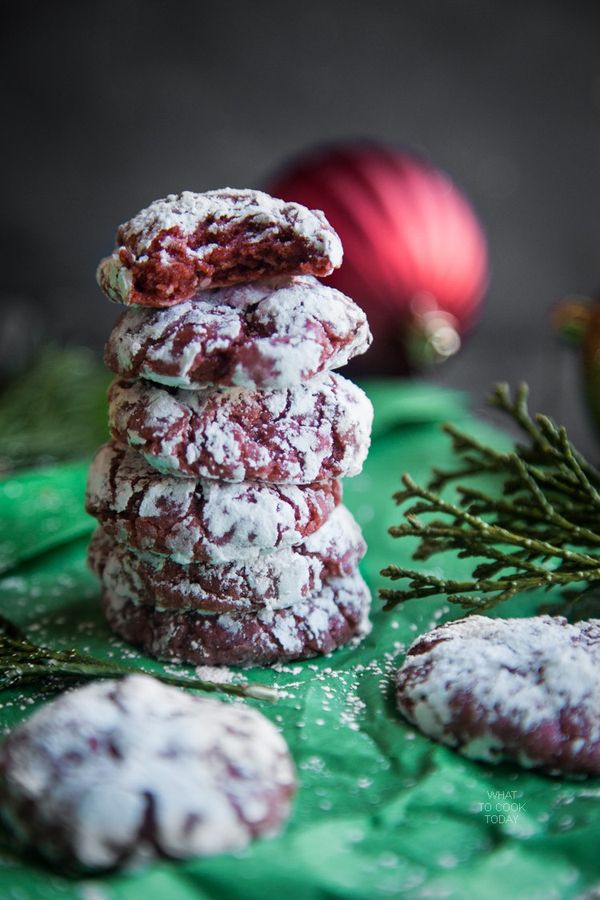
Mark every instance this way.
x=545 y=436
x=23 y=662
x=484 y=531
x=540 y=533
x=518 y=409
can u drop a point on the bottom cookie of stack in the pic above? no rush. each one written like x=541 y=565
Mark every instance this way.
x=295 y=603
x=311 y=627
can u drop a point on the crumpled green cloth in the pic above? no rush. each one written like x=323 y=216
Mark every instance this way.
x=381 y=811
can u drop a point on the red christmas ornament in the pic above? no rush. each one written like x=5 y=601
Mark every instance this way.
x=415 y=255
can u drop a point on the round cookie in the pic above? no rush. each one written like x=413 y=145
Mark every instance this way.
x=526 y=690
x=269 y=334
x=274 y=580
x=299 y=435
x=118 y=772
x=311 y=627
x=189 y=242
x=204 y=520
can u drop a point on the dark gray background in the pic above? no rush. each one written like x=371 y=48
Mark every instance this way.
x=106 y=106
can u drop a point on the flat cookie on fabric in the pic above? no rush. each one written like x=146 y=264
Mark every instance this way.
x=312 y=627
x=313 y=431
x=273 y=580
x=526 y=690
x=189 y=242
x=203 y=520
x=119 y=772
x=269 y=334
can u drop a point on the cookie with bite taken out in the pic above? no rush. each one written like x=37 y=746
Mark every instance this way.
x=189 y=242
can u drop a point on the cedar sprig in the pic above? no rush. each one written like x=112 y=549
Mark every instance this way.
x=541 y=532
x=23 y=662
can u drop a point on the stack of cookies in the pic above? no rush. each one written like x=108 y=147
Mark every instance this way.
x=222 y=539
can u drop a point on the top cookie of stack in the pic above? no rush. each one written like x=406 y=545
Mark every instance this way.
x=190 y=242
x=224 y=361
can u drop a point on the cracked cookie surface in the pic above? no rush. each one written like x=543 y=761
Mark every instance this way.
x=201 y=520
x=299 y=435
x=269 y=334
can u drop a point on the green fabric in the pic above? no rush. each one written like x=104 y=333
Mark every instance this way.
x=381 y=811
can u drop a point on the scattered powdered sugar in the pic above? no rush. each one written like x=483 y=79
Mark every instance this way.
x=118 y=771
x=268 y=334
x=319 y=429
x=509 y=688
x=216 y=674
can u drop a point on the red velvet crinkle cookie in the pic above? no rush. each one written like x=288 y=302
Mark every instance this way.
x=118 y=772
x=204 y=520
x=317 y=625
x=188 y=242
x=270 y=334
x=274 y=580
x=526 y=690
x=307 y=433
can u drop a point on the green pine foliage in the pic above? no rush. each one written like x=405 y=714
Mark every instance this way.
x=543 y=531
x=23 y=662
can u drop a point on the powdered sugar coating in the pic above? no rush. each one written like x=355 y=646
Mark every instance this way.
x=320 y=429
x=122 y=771
x=273 y=580
x=189 y=242
x=204 y=520
x=269 y=334
x=526 y=690
x=311 y=627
